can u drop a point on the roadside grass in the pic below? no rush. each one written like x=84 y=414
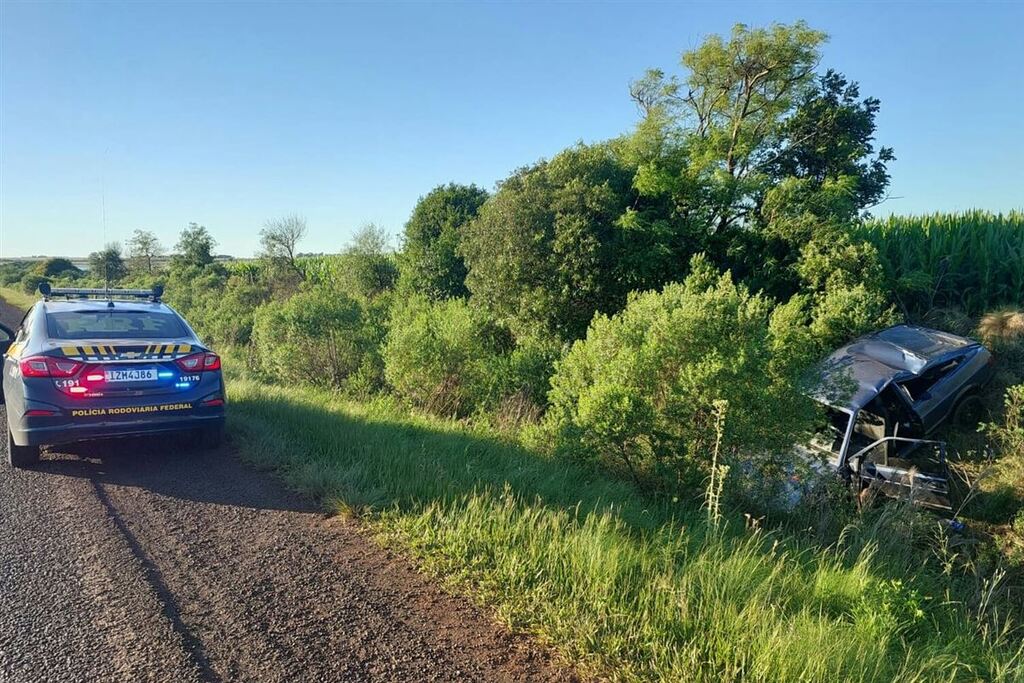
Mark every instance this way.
x=625 y=586
x=16 y=297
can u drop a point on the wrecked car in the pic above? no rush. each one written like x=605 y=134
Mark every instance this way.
x=884 y=395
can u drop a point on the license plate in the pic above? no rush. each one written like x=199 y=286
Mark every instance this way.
x=134 y=375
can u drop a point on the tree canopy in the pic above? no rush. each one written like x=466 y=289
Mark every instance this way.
x=431 y=263
x=543 y=252
x=108 y=264
x=279 y=241
x=195 y=246
x=143 y=247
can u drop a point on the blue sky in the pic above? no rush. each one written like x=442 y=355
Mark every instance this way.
x=231 y=113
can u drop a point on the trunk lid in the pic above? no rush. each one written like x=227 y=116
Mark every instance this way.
x=121 y=368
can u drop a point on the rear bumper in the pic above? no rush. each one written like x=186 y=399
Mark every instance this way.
x=61 y=429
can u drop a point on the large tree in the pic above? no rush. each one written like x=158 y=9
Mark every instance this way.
x=430 y=262
x=715 y=129
x=143 y=247
x=195 y=246
x=367 y=265
x=279 y=241
x=831 y=136
x=544 y=253
x=108 y=264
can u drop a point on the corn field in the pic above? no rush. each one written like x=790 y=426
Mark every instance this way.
x=322 y=269
x=973 y=261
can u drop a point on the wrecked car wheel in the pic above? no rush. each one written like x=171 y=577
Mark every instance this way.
x=968 y=413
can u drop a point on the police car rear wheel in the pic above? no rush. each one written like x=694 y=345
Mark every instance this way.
x=20 y=456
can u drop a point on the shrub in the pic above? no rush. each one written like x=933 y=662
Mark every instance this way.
x=1009 y=436
x=318 y=337
x=527 y=369
x=839 y=315
x=843 y=280
x=523 y=380
x=58 y=267
x=228 y=315
x=640 y=392
x=30 y=282
x=442 y=357
x=11 y=272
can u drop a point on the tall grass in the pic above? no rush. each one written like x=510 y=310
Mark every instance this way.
x=16 y=297
x=625 y=586
x=972 y=260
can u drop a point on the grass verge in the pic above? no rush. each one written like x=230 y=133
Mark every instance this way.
x=623 y=585
x=16 y=297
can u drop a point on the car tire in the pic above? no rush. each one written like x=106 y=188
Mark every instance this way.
x=210 y=438
x=20 y=456
x=969 y=412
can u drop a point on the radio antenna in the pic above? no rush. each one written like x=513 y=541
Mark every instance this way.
x=103 y=218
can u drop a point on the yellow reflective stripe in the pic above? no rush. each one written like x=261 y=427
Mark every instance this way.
x=69 y=350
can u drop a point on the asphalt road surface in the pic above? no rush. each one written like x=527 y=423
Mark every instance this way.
x=146 y=560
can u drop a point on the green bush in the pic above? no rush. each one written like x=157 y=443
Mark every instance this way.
x=442 y=357
x=30 y=282
x=842 y=278
x=318 y=337
x=640 y=391
x=58 y=267
x=227 y=315
x=11 y=272
x=528 y=368
x=523 y=379
x=1009 y=436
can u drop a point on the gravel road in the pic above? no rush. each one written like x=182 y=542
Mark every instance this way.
x=146 y=560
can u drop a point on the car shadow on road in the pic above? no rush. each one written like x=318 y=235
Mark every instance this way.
x=173 y=466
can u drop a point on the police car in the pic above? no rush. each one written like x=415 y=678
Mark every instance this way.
x=98 y=363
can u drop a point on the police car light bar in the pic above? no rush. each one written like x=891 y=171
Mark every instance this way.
x=109 y=294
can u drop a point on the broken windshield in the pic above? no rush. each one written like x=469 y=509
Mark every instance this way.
x=829 y=437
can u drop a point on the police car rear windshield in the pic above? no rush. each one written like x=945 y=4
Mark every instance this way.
x=114 y=324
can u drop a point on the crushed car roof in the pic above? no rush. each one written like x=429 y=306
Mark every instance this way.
x=874 y=360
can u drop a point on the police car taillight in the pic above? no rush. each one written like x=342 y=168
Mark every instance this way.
x=198 y=362
x=46 y=366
